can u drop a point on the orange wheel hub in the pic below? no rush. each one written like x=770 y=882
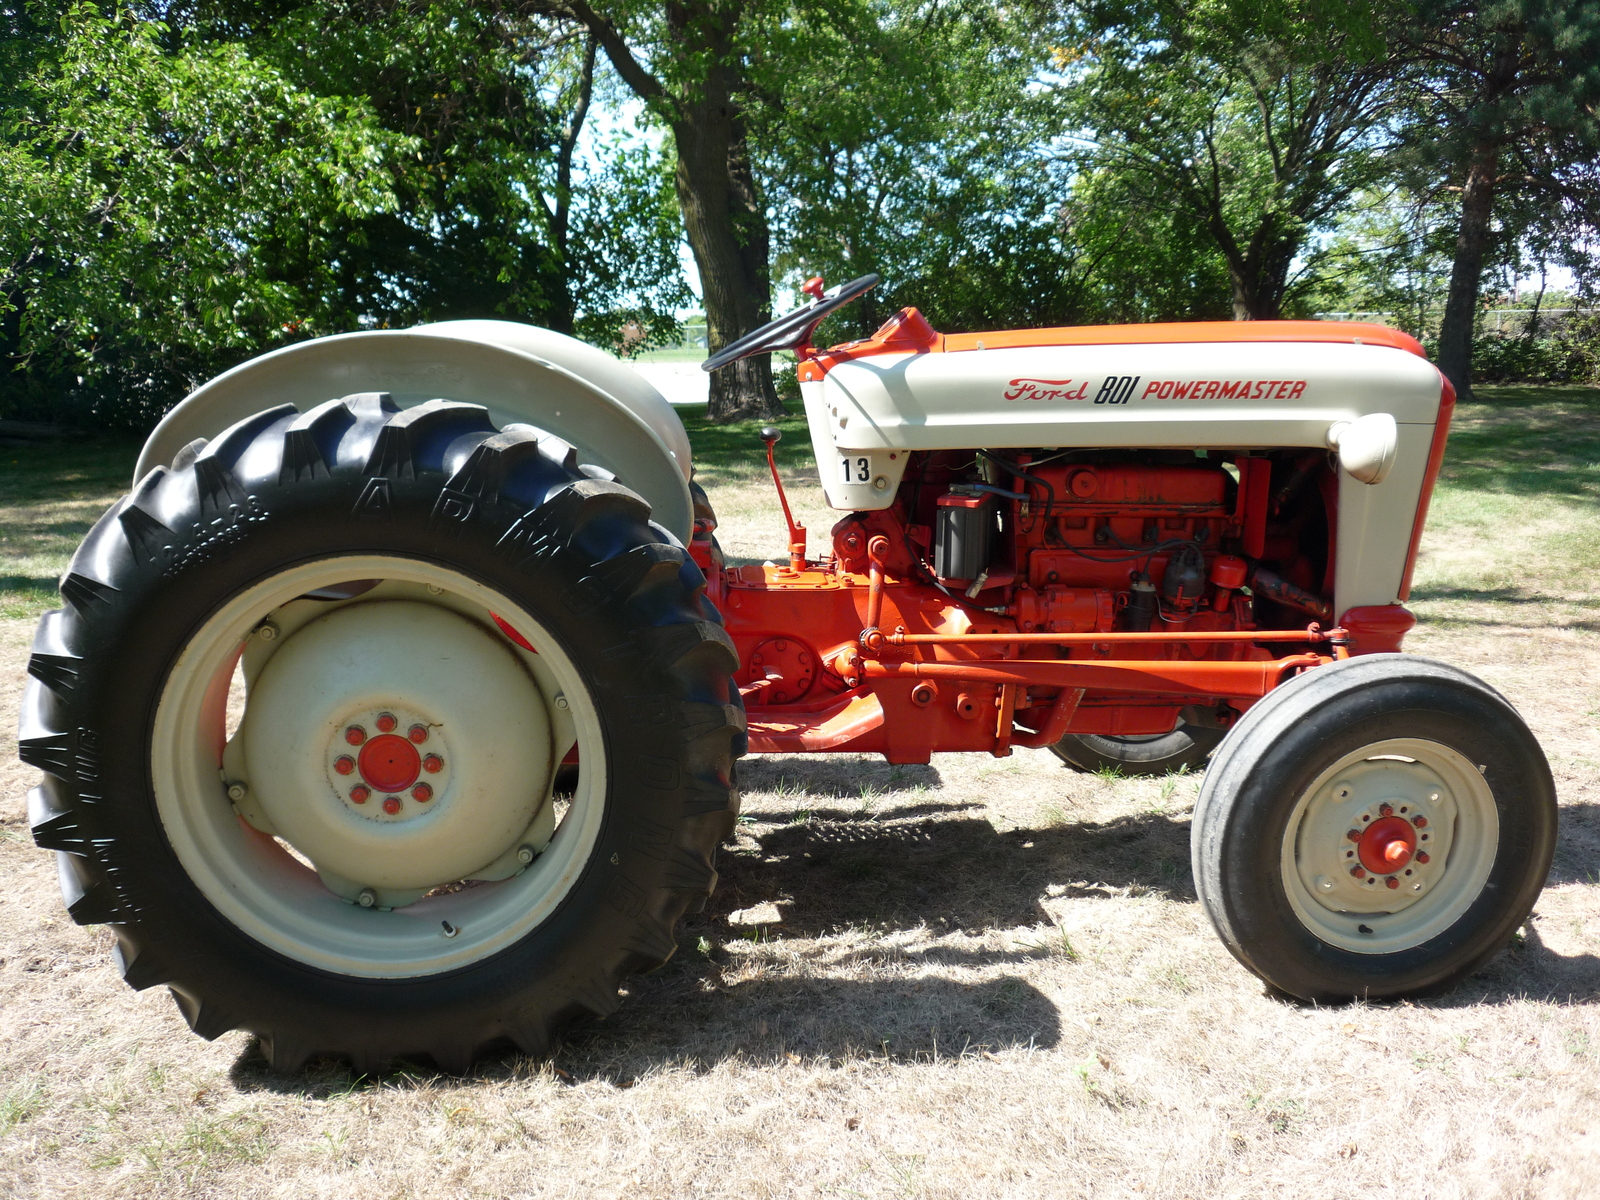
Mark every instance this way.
x=389 y=763
x=1387 y=845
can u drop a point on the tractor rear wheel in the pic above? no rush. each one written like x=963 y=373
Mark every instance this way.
x=1186 y=748
x=301 y=718
x=1375 y=828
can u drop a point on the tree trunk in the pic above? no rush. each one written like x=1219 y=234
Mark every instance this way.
x=1258 y=273
x=726 y=225
x=727 y=232
x=723 y=216
x=1466 y=273
x=563 y=315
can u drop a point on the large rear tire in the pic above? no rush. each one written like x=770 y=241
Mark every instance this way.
x=368 y=860
x=1375 y=828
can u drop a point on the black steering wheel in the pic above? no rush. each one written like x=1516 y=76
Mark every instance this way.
x=791 y=330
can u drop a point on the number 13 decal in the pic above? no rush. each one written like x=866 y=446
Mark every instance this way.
x=862 y=468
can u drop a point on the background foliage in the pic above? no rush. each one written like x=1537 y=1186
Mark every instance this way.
x=185 y=186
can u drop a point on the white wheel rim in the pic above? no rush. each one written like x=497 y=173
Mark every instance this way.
x=1420 y=796
x=269 y=893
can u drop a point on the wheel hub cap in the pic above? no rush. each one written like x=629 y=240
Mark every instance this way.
x=389 y=764
x=1375 y=839
x=397 y=744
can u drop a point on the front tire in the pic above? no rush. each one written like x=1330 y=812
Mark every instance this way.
x=1373 y=829
x=475 y=598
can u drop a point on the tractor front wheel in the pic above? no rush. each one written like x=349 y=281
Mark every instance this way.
x=1375 y=828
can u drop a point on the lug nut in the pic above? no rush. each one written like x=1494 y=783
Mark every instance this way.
x=344 y=764
x=419 y=734
x=1354 y=835
x=266 y=631
x=355 y=735
x=386 y=722
x=526 y=854
x=1391 y=882
x=561 y=701
x=433 y=764
x=1422 y=856
x=1358 y=872
x=391 y=805
x=1420 y=822
x=422 y=793
x=367 y=898
x=236 y=792
x=1386 y=809
x=360 y=794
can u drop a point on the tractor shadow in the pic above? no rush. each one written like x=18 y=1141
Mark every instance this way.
x=1527 y=970
x=897 y=861
x=934 y=866
x=685 y=1016
x=951 y=870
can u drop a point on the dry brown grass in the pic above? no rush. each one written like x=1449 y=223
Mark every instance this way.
x=990 y=977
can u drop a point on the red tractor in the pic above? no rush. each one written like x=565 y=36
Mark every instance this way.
x=392 y=725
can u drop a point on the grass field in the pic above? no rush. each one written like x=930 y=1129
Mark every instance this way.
x=979 y=977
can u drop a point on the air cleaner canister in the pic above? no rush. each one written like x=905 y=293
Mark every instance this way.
x=963 y=539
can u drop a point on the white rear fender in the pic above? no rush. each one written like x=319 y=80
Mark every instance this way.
x=520 y=373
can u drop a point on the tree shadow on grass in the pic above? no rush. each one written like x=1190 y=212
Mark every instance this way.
x=1500 y=595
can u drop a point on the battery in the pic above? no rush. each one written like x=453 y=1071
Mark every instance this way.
x=963 y=538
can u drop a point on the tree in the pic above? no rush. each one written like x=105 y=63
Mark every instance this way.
x=1504 y=96
x=498 y=212
x=1257 y=122
x=1387 y=252
x=177 y=197
x=141 y=189
x=689 y=62
x=949 y=186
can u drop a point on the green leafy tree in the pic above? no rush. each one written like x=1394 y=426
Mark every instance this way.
x=499 y=211
x=1255 y=122
x=184 y=195
x=1503 y=98
x=144 y=195
x=938 y=182
x=950 y=183
x=1388 y=252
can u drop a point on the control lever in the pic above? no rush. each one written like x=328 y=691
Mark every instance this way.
x=772 y=435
